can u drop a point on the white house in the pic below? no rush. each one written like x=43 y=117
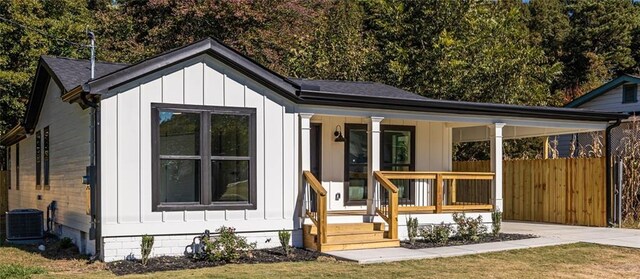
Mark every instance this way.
x=202 y=136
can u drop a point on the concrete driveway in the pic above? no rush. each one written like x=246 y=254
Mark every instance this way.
x=571 y=234
x=549 y=235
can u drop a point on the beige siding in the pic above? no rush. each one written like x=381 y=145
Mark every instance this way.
x=611 y=101
x=126 y=148
x=69 y=156
x=433 y=151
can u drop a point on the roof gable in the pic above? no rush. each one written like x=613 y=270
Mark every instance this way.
x=601 y=90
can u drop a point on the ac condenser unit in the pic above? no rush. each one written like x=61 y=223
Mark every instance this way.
x=23 y=224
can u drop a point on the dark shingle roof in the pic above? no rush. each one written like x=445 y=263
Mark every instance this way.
x=74 y=72
x=356 y=88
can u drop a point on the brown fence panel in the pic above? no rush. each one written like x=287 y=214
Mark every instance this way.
x=565 y=191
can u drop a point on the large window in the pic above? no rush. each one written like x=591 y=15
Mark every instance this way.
x=46 y=157
x=17 y=166
x=398 y=154
x=9 y=167
x=204 y=157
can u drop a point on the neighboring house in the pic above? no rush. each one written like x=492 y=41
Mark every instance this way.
x=202 y=136
x=619 y=95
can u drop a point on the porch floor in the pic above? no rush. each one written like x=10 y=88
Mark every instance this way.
x=550 y=235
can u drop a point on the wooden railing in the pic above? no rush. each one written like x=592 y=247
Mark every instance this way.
x=434 y=192
x=316 y=205
x=387 y=204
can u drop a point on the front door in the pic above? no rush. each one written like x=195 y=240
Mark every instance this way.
x=398 y=154
x=355 y=166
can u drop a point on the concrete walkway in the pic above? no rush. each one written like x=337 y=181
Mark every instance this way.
x=550 y=235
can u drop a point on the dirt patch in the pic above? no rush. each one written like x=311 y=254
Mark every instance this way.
x=273 y=255
x=457 y=242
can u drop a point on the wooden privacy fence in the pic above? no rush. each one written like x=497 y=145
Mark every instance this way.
x=566 y=191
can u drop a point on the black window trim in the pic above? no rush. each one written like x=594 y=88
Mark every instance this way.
x=9 y=167
x=629 y=89
x=412 y=163
x=205 y=160
x=45 y=157
x=17 y=166
x=38 y=154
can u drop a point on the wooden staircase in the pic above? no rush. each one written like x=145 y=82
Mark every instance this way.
x=348 y=236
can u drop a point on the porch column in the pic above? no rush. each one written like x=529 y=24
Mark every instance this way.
x=305 y=141
x=496 y=164
x=373 y=162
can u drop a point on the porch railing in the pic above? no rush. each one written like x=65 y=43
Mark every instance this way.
x=433 y=192
x=315 y=204
x=387 y=204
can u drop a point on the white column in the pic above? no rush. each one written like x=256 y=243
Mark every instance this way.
x=305 y=141
x=373 y=161
x=496 y=164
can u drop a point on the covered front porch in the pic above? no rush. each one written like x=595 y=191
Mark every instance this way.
x=361 y=174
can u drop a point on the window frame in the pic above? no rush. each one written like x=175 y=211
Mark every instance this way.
x=205 y=158
x=412 y=162
x=45 y=157
x=38 y=162
x=9 y=167
x=17 y=166
x=629 y=89
x=347 y=128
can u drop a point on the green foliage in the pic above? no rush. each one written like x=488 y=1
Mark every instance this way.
x=66 y=243
x=285 y=237
x=496 y=222
x=19 y=271
x=227 y=246
x=412 y=229
x=469 y=228
x=146 y=246
x=438 y=234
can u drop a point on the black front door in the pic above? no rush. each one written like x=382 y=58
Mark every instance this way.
x=355 y=166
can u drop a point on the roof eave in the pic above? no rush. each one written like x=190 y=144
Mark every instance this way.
x=16 y=134
x=601 y=90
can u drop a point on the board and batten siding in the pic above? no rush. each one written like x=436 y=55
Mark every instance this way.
x=433 y=151
x=126 y=160
x=611 y=101
x=68 y=159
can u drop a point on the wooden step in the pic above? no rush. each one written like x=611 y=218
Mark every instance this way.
x=348 y=227
x=339 y=246
x=353 y=236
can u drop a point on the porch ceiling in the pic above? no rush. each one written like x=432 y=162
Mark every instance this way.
x=482 y=133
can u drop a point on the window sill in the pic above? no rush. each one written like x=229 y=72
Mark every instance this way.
x=202 y=207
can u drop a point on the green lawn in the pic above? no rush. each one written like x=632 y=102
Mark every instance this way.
x=575 y=260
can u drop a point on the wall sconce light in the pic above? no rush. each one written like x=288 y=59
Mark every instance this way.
x=338 y=134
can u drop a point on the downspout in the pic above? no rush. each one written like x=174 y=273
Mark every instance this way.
x=608 y=178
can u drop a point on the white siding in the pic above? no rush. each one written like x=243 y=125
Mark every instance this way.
x=611 y=101
x=126 y=148
x=432 y=150
x=69 y=156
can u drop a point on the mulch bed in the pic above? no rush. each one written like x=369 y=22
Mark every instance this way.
x=457 y=242
x=167 y=263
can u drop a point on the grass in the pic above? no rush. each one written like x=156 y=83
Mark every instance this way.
x=574 y=260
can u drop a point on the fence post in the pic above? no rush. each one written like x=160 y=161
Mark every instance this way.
x=619 y=171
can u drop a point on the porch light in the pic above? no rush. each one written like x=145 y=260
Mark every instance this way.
x=338 y=134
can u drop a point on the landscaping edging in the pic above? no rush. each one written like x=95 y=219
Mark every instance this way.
x=502 y=237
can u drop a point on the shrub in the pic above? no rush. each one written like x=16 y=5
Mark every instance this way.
x=436 y=233
x=412 y=229
x=66 y=243
x=145 y=248
x=469 y=229
x=227 y=246
x=284 y=237
x=496 y=222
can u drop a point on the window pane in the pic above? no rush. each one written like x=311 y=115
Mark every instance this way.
x=397 y=147
x=179 y=133
x=357 y=182
x=230 y=181
x=357 y=163
x=229 y=135
x=179 y=180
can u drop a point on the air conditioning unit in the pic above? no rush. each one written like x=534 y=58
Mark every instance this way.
x=24 y=224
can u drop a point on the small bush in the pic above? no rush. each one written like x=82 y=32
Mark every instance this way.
x=436 y=233
x=227 y=246
x=496 y=222
x=66 y=243
x=145 y=248
x=284 y=237
x=19 y=271
x=412 y=229
x=469 y=229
